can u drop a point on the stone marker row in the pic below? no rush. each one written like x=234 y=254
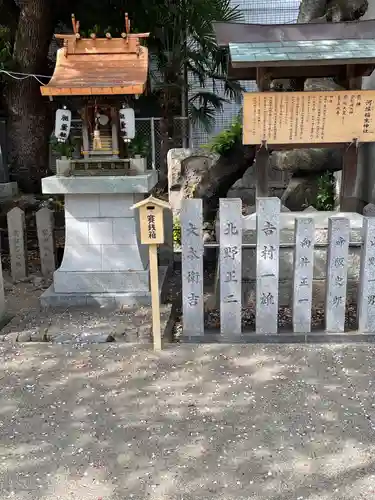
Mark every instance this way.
x=17 y=242
x=267 y=270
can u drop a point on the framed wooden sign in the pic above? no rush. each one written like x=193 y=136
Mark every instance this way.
x=151 y=220
x=152 y=225
x=309 y=117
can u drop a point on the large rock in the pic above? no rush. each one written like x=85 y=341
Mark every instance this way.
x=174 y=159
x=301 y=192
x=194 y=168
x=206 y=175
x=185 y=170
x=307 y=160
x=369 y=210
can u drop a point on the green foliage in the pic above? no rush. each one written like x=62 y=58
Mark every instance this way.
x=139 y=146
x=63 y=148
x=224 y=141
x=183 y=42
x=177 y=231
x=325 y=199
x=99 y=32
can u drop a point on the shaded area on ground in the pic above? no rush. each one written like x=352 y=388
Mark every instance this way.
x=115 y=422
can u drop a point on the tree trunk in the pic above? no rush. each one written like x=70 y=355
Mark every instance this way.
x=217 y=181
x=28 y=130
x=169 y=109
x=164 y=148
x=28 y=113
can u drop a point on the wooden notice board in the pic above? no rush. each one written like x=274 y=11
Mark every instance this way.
x=309 y=117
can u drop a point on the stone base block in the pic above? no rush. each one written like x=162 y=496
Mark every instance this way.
x=110 y=300
x=214 y=337
x=100 y=282
x=8 y=190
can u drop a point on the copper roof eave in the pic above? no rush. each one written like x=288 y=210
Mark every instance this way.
x=257 y=33
x=87 y=91
x=243 y=71
x=98 y=74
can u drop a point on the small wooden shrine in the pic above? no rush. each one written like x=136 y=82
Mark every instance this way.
x=99 y=78
x=298 y=119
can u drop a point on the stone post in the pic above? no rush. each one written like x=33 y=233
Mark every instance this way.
x=230 y=266
x=267 y=272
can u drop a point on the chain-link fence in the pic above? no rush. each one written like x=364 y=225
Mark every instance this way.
x=149 y=130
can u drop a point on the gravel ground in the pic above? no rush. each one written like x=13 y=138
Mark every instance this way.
x=212 y=317
x=115 y=422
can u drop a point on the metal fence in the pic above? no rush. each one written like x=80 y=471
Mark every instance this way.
x=149 y=130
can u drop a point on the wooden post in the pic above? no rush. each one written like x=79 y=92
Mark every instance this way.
x=348 y=202
x=115 y=146
x=263 y=79
x=85 y=134
x=155 y=300
x=151 y=219
x=261 y=172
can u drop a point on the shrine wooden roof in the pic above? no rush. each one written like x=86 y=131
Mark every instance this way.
x=99 y=66
x=298 y=50
x=95 y=74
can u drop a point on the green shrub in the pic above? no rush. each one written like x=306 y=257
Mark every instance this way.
x=176 y=231
x=63 y=148
x=139 y=146
x=325 y=199
x=224 y=141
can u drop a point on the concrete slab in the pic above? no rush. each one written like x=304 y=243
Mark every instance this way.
x=231 y=422
x=111 y=300
x=132 y=183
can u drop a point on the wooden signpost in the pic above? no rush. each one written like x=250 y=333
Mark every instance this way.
x=287 y=120
x=309 y=117
x=151 y=222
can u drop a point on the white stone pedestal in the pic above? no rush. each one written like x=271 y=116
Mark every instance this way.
x=104 y=262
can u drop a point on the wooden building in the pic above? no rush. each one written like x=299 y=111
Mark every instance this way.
x=342 y=51
x=98 y=77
